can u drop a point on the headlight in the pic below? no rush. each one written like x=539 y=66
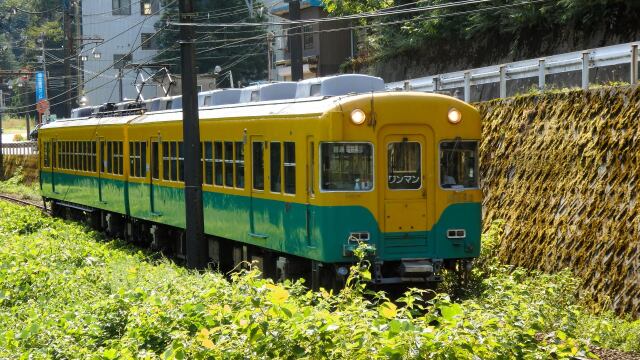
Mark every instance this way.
x=455 y=116
x=358 y=117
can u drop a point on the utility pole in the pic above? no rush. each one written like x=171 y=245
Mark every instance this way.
x=269 y=55
x=68 y=53
x=295 y=41
x=197 y=247
x=80 y=67
x=120 y=75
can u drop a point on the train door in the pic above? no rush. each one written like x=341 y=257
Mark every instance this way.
x=258 y=184
x=405 y=186
x=101 y=166
x=154 y=176
x=310 y=188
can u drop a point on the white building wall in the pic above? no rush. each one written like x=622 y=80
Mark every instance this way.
x=121 y=33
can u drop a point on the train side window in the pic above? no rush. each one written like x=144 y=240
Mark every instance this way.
x=93 y=156
x=228 y=163
x=289 y=168
x=143 y=158
x=275 y=155
x=166 y=162
x=103 y=160
x=109 y=158
x=87 y=156
x=132 y=156
x=180 y=161
x=83 y=152
x=218 y=162
x=174 y=161
x=45 y=155
x=239 y=165
x=258 y=165
x=208 y=163
x=404 y=170
x=75 y=152
x=346 y=166
x=155 y=163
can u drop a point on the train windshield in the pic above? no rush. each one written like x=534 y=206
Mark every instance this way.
x=346 y=166
x=458 y=164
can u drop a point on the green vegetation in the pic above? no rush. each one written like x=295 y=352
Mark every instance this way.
x=67 y=293
x=17 y=186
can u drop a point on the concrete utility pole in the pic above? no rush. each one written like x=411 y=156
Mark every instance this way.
x=44 y=70
x=295 y=41
x=68 y=53
x=197 y=247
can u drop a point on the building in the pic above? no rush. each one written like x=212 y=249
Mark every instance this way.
x=323 y=50
x=123 y=25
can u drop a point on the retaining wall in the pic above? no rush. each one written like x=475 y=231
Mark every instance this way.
x=563 y=171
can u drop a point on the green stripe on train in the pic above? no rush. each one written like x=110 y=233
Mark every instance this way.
x=315 y=232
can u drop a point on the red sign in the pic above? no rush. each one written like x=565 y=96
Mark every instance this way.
x=42 y=106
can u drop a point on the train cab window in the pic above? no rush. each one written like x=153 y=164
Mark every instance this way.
x=218 y=162
x=458 y=164
x=275 y=166
x=166 y=163
x=239 y=146
x=228 y=163
x=155 y=162
x=346 y=166
x=289 y=168
x=404 y=165
x=208 y=162
x=180 y=161
x=258 y=165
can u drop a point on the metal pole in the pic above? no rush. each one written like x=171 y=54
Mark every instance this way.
x=634 y=64
x=585 y=70
x=503 y=81
x=295 y=42
x=542 y=74
x=80 y=68
x=197 y=247
x=120 y=82
x=231 y=79
x=269 y=56
x=467 y=86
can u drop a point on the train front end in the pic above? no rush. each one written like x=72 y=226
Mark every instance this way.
x=399 y=171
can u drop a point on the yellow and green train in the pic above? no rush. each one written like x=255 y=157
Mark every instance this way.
x=294 y=185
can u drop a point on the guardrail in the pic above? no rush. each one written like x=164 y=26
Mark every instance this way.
x=581 y=61
x=20 y=148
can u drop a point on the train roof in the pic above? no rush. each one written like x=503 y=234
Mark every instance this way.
x=315 y=106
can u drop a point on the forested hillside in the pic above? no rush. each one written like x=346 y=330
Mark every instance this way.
x=453 y=36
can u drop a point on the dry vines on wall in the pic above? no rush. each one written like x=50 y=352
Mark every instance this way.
x=563 y=171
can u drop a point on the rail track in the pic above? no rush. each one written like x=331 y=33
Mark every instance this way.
x=23 y=202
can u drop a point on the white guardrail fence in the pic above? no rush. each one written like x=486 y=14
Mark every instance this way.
x=540 y=68
x=20 y=148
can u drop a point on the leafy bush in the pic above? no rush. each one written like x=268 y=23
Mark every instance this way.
x=17 y=186
x=66 y=293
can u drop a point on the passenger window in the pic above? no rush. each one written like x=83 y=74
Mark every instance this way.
x=109 y=157
x=174 y=162
x=289 y=168
x=275 y=166
x=239 y=165
x=143 y=159
x=218 y=162
x=404 y=165
x=45 y=155
x=208 y=163
x=228 y=163
x=166 y=163
x=346 y=166
x=132 y=156
x=258 y=165
x=93 y=156
x=180 y=161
